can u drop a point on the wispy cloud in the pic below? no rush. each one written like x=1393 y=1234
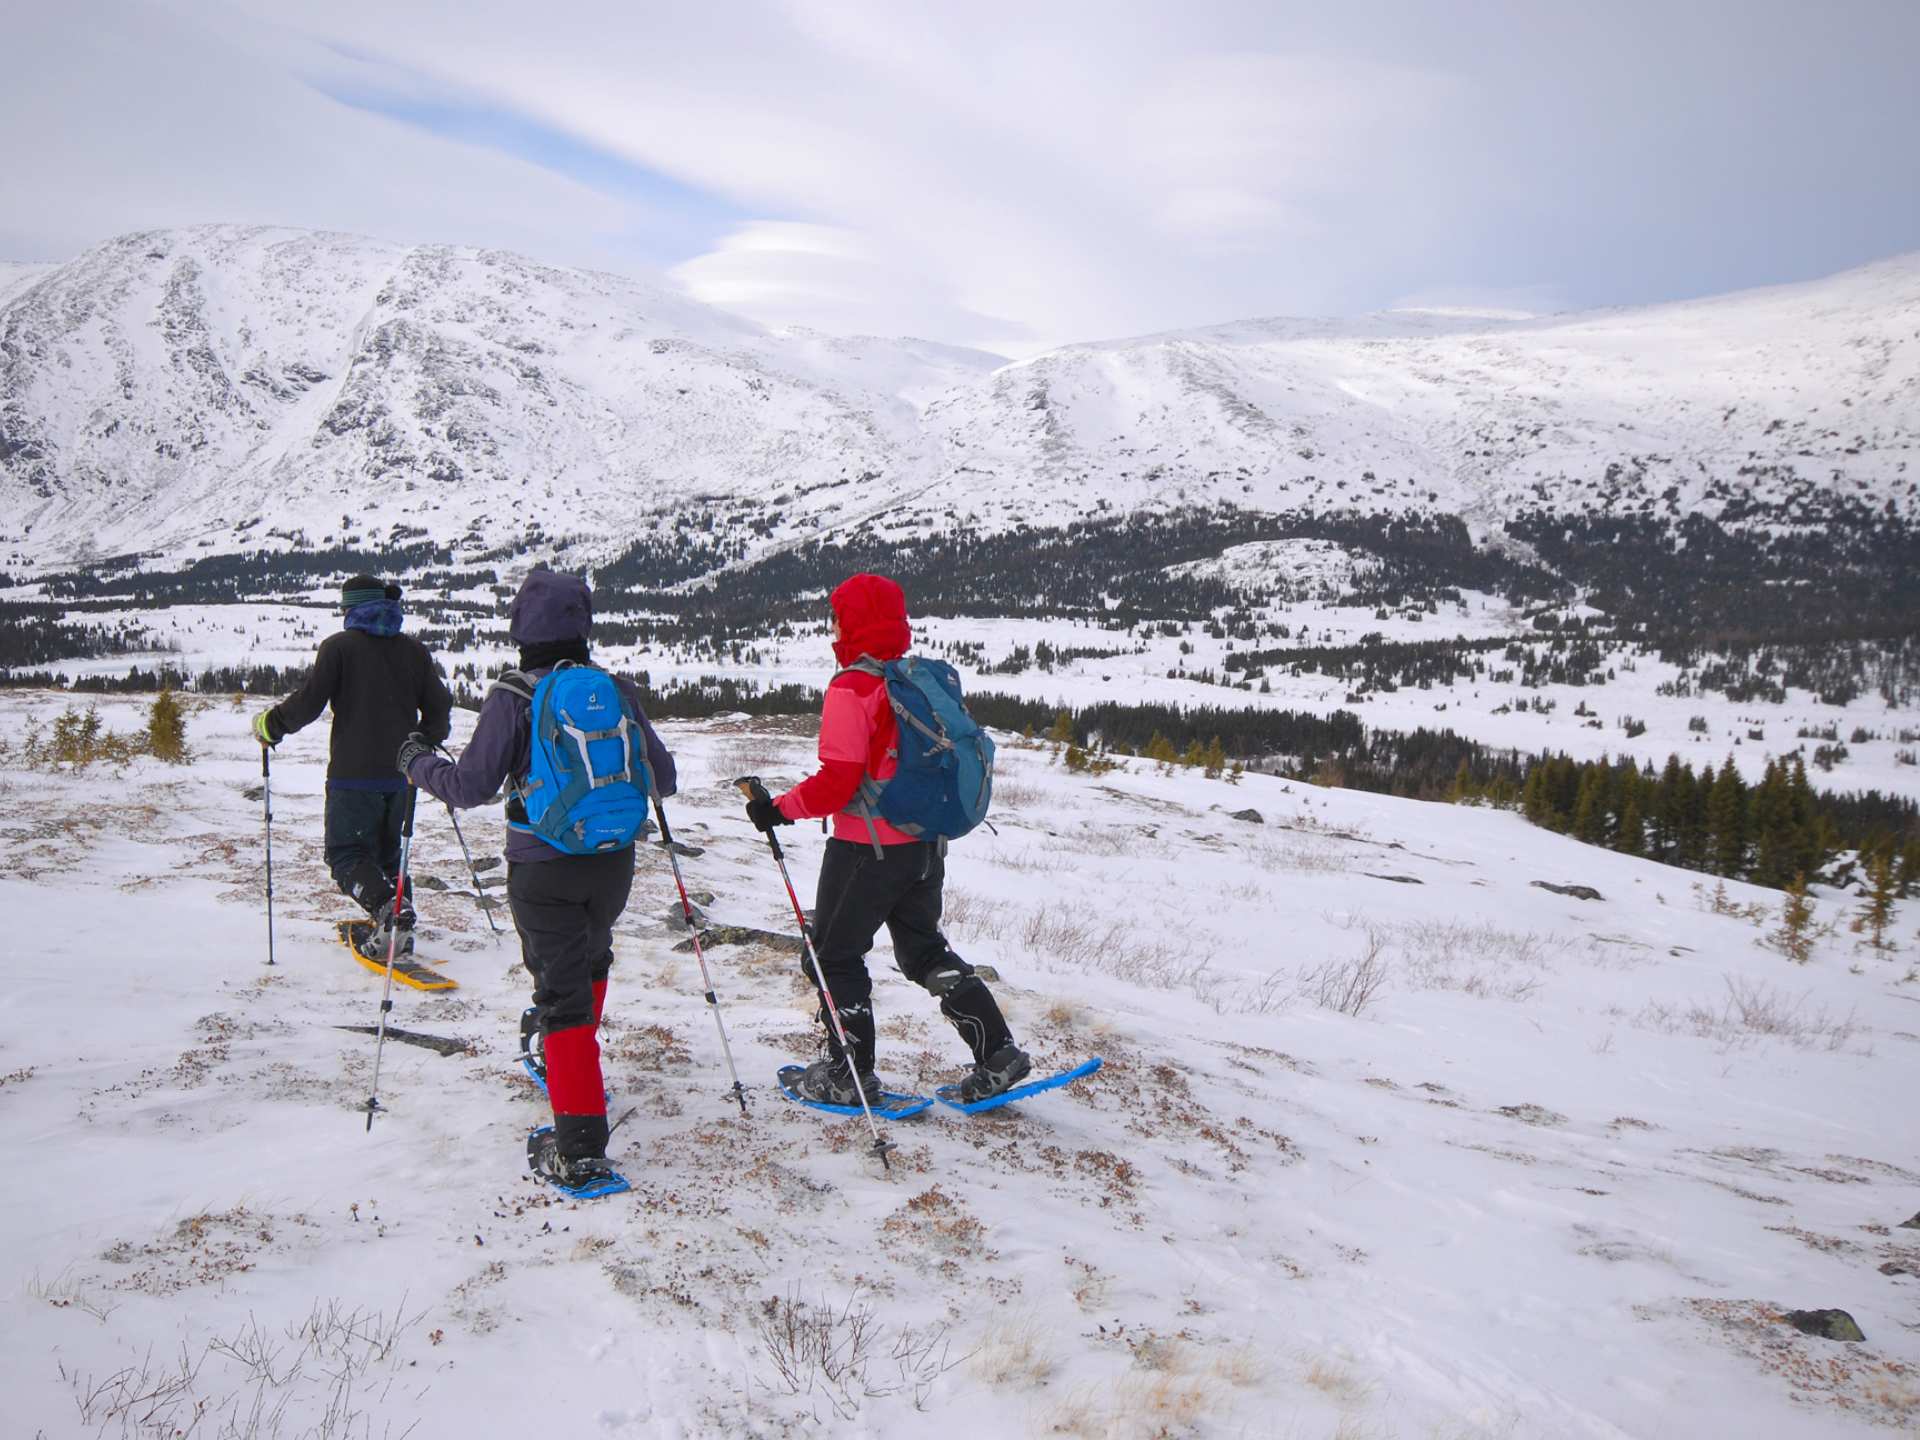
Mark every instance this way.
x=1002 y=174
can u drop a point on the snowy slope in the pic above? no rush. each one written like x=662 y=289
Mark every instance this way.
x=1558 y=1178
x=179 y=385
x=1471 y=415
x=199 y=390
x=15 y=277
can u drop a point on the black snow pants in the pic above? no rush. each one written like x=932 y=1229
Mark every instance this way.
x=363 y=843
x=564 y=910
x=859 y=892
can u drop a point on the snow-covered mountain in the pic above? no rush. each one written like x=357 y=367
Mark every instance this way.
x=200 y=390
x=189 y=385
x=1474 y=415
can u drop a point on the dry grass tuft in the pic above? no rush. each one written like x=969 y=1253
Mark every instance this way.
x=1016 y=1356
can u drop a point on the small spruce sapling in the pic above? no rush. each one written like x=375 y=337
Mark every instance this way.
x=1794 y=938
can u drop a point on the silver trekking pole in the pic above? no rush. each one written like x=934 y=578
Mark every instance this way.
x=751 y=787
x=393 y=951
x=693 y=929
x=266 y=794
x=478 y=894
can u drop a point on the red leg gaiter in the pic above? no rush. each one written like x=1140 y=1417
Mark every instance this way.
x=573 y=1072
x=599 y=1000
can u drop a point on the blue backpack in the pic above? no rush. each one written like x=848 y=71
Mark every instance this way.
x=588 y=781
x=944 y=782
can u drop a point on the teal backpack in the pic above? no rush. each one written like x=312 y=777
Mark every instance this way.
x=944 y=782
x=588 y=780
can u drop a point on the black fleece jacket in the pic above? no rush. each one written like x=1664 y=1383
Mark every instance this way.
x=381 y=687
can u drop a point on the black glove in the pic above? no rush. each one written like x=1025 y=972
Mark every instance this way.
x=764 y=813
x=411 y=749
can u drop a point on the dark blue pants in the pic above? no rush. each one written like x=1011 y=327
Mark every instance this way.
x=363 y=843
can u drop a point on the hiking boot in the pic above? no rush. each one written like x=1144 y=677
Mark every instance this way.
x=996 y=1074
x=571 y=1171
x=830 y=1082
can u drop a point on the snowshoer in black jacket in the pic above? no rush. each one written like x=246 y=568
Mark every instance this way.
x=382 y=686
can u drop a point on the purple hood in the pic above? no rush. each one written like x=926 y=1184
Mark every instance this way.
x=550 y=607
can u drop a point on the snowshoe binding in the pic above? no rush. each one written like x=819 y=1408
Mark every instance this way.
x=533 y=1047
x=995 y=1075
x=827 y=1084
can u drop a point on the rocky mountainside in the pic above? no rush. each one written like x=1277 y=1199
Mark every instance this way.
x=226 y=388
x=1668 y=408
x=219 y=387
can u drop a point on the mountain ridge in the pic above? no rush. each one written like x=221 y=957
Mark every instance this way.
x=221 y=388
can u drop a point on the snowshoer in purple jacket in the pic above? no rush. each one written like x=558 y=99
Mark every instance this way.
x=564 y=905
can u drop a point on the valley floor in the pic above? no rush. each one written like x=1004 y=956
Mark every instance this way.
x=1560 y=1176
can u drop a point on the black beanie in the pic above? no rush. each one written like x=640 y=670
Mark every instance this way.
x=362 y=589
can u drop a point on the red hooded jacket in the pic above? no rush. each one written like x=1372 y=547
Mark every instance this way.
x=858 y=734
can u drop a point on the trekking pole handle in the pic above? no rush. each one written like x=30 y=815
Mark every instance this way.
x=750 y=786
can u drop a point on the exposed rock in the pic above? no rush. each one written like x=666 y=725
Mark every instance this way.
x=1250 y=815
x=1913 y=1224
x=677 y=918
x=487 y=862
x=1825 y=1324
x=1894 y=1267
x=740 y=935
x=987 y=973
x=429 y=882
x=1396 y=879
x=1578 y=892
x=1532 y=1114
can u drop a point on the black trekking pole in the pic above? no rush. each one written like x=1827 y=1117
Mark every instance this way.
x=478 y=894
x=393 y=950
x=266 y=794
x=751 y=787
x=693 y=929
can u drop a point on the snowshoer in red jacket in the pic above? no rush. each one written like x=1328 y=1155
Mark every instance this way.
x=873 y=874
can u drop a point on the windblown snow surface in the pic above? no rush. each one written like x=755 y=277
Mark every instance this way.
x=1559 y=1178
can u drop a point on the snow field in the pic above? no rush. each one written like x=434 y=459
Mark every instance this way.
x=1548 y=1181
x=201 y=636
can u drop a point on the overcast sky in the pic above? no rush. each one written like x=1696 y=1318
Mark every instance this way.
x=1007 y=175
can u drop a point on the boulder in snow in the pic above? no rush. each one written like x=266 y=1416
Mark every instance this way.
x=1825 y=1324
x=1578 y=892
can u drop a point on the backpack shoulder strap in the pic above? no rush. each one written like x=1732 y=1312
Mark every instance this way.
x=865 y=665
x=514 y=682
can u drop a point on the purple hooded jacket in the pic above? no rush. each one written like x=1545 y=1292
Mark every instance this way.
x=550 y=608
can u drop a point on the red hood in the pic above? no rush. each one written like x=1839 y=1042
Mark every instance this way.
x=872 y=611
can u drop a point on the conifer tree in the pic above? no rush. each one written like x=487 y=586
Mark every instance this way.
x=1533 y=796
x=1727 y=823
x=1876 y=906
x=1461 y=791
x=1062 y=731
x=1770 y=820
x=167 y=729
x=1805 y=835
x=1794 y=938
x=1590 y=810
x=1669 y=810
x=1215 y=759
x=1910 y=868
x=1630 y=838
